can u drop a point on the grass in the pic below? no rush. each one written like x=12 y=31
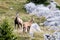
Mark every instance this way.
x=18 y=5
x=58 y=1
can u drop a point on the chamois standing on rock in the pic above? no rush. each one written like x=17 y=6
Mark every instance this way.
x=18 y=21
x=27 y=25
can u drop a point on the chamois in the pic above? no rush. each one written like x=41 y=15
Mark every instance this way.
x=18 y=21
x=27 y=25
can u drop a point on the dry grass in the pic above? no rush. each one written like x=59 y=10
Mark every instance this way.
x=5 y=12
x=58 y=1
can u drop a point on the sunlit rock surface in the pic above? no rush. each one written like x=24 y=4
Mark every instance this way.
x=30 y=7
x=47 y=36
x=54 y=36
x=51 y=13
x=34 y=28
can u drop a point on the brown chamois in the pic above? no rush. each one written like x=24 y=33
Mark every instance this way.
x=27 y=25
x=18 y=21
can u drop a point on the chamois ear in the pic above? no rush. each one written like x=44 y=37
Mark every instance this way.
x=32 y=19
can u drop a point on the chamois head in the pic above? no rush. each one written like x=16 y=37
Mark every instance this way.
x=27 y=25
x=17 y=15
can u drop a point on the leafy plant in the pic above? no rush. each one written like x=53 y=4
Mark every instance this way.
x=6 y=31
x=58 y=6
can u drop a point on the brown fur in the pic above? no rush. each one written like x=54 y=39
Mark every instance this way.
x=27 y=25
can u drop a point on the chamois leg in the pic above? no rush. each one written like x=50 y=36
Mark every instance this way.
x=21 y=25
x=15 y=26
x=28 y=29
x=24 y=29
x=18 y=26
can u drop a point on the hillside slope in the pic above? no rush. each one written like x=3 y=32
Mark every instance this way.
x=8 y=9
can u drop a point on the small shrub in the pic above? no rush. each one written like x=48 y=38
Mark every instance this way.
x=58 y=6
x=6 y=31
